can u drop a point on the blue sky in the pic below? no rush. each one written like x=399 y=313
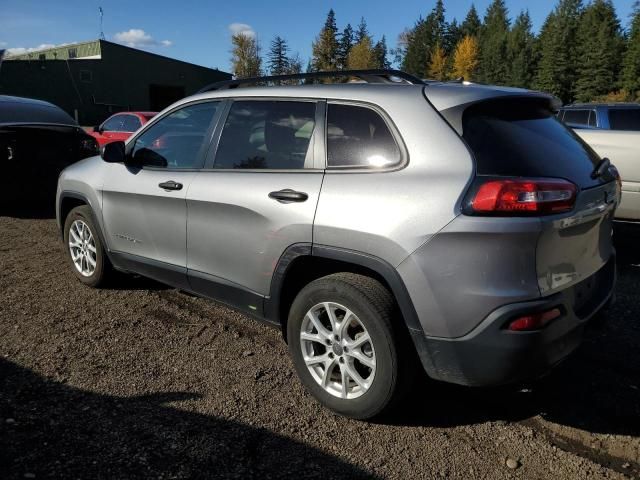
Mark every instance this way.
x=199 y=32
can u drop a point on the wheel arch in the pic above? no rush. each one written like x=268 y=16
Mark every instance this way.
x=68 y=200
x=303 y=263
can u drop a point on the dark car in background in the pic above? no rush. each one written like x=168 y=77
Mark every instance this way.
x=604 y=116
x=37 y=141
x=120 y=126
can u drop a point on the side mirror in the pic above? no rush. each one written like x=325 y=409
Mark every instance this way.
x=113 y=152
x=97 y=129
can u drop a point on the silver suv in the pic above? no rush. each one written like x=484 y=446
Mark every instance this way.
x=375 y=223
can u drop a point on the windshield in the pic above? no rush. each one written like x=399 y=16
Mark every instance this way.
x=517 y=137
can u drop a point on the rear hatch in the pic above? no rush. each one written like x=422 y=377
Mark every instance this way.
x=530 y=164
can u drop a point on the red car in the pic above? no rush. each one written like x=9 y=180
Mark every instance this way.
x=120 y=126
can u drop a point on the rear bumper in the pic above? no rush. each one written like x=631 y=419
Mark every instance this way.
x=491 y=355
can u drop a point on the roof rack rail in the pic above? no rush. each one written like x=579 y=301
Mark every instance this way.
x=369 y=76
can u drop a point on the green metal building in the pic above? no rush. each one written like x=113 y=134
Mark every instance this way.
x=92 y=80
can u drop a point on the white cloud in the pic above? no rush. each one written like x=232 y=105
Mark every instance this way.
x=21 y=50
x=138 y=38
x=242 y=29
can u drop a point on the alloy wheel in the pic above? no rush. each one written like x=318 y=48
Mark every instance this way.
x=337 y=350
x=82 y=247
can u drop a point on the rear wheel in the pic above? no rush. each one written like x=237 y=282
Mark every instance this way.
x=343 y=345
x=84 y=248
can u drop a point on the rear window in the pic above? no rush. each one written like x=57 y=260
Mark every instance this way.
x=624 y=119
x=359 y=137
x=524 y=138
x=577 y=117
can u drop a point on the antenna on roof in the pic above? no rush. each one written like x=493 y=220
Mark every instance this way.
x=101 y=30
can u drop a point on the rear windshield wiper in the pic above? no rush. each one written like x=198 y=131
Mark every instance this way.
x=602 y=166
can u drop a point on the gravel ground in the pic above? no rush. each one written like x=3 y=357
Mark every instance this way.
x=144 y=381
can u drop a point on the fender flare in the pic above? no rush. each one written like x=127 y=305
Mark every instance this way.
x=370 y=262
x=80 y=196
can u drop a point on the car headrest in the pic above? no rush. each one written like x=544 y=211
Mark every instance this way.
x=279 y=133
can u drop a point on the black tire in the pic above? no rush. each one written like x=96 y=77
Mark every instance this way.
x=373 y=304
x=103 y=268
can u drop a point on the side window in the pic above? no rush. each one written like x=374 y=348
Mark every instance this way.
x=114 y=124
x=576 y=117
x=267 y=134
x=593 y=118
x=359 y=137
x=176 y=139
x=131 y=123
x=625 y=119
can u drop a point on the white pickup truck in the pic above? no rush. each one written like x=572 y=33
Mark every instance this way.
x=623 y=149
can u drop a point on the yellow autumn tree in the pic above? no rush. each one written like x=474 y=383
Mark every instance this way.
x=361 y=56
x=438 y=64
x=465 y=58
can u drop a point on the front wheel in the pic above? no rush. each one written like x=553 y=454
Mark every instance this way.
x=343 y=346
x=84 y=248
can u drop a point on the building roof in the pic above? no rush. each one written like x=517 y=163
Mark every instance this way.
x=83 y=50
x=89 y=50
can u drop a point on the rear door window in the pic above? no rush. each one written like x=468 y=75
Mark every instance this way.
x=523 y=138
x=359 y=137
x=131 y=123
x=624 y=119
x=576 y=117
x=264 y=134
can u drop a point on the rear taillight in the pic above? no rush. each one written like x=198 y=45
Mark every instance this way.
x=533 y=321
x=522 y=196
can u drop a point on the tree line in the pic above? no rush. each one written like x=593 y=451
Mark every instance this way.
x=582 y=52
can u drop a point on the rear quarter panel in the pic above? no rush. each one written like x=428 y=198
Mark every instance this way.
x=390 y=214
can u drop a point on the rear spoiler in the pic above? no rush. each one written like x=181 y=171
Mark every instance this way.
x=454 y=114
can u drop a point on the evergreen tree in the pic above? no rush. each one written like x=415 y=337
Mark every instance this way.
x=599 y=50
x=521 y=55
x=325 y=47
x=422 y=39
x=361 y=56
x=344 y=46
x=245 y=56
x=472 y=23
x=493 y=44
x=438 y=64
x=452 y=36
x=380 y=53
x=465 y=58
x=362 y=31
x=278 y=56
x=437 y=22
x=631 y=63
x=556 y=71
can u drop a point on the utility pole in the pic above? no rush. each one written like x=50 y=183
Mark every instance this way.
x=101 y=30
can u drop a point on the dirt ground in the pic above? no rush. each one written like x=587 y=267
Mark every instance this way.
x=144 y=381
